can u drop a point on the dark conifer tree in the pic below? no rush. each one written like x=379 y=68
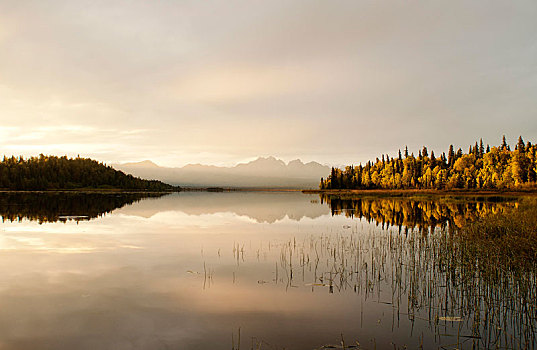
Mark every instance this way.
x=451 y=156
x=424 y=152
x=520 y=145
x=504 y=146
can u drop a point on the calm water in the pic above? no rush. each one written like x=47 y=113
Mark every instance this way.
x=275 y=270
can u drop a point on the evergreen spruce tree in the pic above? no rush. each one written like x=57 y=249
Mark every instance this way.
x=424 y=152
x=504 y=145
x=451 y=156
x=520 y=145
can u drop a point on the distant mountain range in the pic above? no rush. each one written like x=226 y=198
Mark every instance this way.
x=263 y=172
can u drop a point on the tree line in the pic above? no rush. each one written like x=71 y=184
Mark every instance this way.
x=58 y=173
x=480 y=168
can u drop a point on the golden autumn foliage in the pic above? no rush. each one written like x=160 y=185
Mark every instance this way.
x=495 y=168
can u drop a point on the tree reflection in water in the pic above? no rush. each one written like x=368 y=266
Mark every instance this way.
x=421 y=213
x=63 y=206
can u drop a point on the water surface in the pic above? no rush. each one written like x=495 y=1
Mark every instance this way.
x=275 y=270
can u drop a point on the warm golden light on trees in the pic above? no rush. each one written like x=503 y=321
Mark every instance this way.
x=495 y=168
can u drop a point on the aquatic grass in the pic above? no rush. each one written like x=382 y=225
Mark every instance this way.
x=508 y=238
x=432 y=277
x=467 y=284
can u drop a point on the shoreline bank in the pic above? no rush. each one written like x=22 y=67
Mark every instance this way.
x=424 y=192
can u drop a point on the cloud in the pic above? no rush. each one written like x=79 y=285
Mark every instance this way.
x=229 y=80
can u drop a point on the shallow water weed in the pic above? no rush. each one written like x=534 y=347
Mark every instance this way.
x=429 y=277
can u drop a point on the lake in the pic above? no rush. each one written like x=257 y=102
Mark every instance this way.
x=251 y=270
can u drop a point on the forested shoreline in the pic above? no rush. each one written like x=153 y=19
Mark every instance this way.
x=496 y=168
x=63 y=173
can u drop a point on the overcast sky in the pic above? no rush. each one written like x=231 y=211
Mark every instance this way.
x=219 y=82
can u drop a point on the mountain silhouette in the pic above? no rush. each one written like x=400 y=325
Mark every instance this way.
x=263 y=172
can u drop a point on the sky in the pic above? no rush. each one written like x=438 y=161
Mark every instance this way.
x=222 y=82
